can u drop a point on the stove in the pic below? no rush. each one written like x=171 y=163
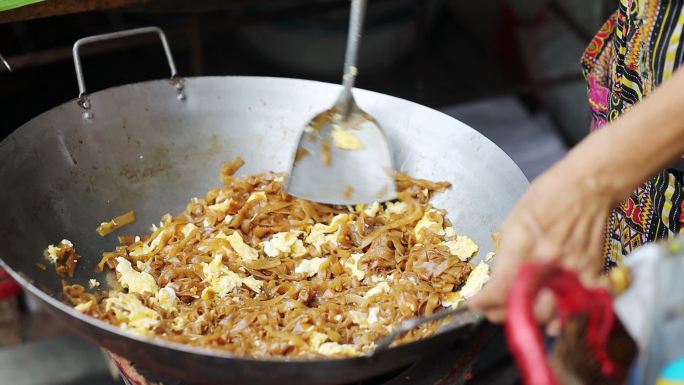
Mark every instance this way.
x=482 y=361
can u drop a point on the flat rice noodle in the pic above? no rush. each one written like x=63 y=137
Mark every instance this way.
x=280 y=319
x=414 y=215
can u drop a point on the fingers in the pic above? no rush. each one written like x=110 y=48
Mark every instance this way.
x=516 y=242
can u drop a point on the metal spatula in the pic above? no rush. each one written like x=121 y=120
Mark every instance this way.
x=343 y=157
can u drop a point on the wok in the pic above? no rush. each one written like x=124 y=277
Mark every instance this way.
x=152 y=146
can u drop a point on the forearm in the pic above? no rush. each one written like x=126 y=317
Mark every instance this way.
x=628 y=151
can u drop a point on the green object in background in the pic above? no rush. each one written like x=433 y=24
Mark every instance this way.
x=6 y=5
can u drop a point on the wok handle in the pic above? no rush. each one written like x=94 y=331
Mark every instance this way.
x=118 y=35
x=5 y=63
x=463 y=316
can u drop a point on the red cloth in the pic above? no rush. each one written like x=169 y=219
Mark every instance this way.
x=8 y=286
x=572 y=298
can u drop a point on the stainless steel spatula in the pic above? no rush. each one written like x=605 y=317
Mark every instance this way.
x=343 y=157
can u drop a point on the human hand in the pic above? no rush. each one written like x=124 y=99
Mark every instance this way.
x=561 y=217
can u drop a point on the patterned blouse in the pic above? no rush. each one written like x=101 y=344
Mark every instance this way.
x=639 y=47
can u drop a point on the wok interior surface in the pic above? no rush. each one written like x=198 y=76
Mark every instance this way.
x=146 y=150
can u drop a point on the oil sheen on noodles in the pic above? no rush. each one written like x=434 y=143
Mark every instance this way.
x=257 y=272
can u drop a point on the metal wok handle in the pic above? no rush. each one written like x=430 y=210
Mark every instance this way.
x=2 y=59
x=82 y=93
x=463 y=316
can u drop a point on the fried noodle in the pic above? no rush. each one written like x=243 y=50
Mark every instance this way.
x=257 y=272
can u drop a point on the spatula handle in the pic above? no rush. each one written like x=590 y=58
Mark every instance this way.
x=346 y=99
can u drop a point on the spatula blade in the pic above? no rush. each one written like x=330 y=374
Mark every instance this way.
x=323 y=172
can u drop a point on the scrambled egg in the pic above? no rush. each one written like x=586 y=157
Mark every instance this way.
x=178 y=324
x=453 y=299
x=310 y=267
x=372 y=210
x=380 y=278
x=353 y=264
x=93 y=283
x=285 y=243
x=463 y=247
x=221 y=279
x=132 y=314
x=449 y=233
x=335 y=349
x=84 y=307
x=396 y=208
x=316 y=339
x=136 y=282
x=477 y=278
x=253 y=283
x=382 y=287
x=242 y=249
x=363 y=319
x=489 y=256
x=259 y=195
x=189 y=229
x=166 y=299
x=55 y=253
x=159 y=241
x=431 y=221
x=345 y=139
x=322 y=233
x=143 y=266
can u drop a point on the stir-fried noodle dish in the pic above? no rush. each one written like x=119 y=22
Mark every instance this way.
x=254 y=271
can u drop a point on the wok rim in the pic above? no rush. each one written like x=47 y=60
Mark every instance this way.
x=202 y=351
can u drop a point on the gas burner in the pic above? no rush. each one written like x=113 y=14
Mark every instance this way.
x=482 y=361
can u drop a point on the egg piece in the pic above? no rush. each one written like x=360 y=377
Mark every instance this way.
x=321 y=233
x=352 y=263
x=253 y=283
x=178 y=324
x=489 y=256
x=476 y=280
x=431 y=221
x=246 y=252
x=259 y=195
x=345 y=139
x=189 y=229
x=310 y=267
x=396 y=208
x=382 y=287
x=54 y=253
x=449 y=232
x=166 y=299
x=84 y=307
x=136 y=282
x=132 y=314
x=316 y=339
x=453 y=299
x=93 y=283
x=334 y=349
x=365 y=319
x=285 y=244
x=462 y=247
x=220 y=278
x=153 y=245
x=372 y=210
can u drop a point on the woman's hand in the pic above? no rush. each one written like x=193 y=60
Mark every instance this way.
x=561 y=217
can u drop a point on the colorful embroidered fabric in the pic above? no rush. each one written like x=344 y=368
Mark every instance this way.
x=637 y=48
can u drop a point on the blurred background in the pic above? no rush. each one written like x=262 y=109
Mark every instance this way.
x=508 y=68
